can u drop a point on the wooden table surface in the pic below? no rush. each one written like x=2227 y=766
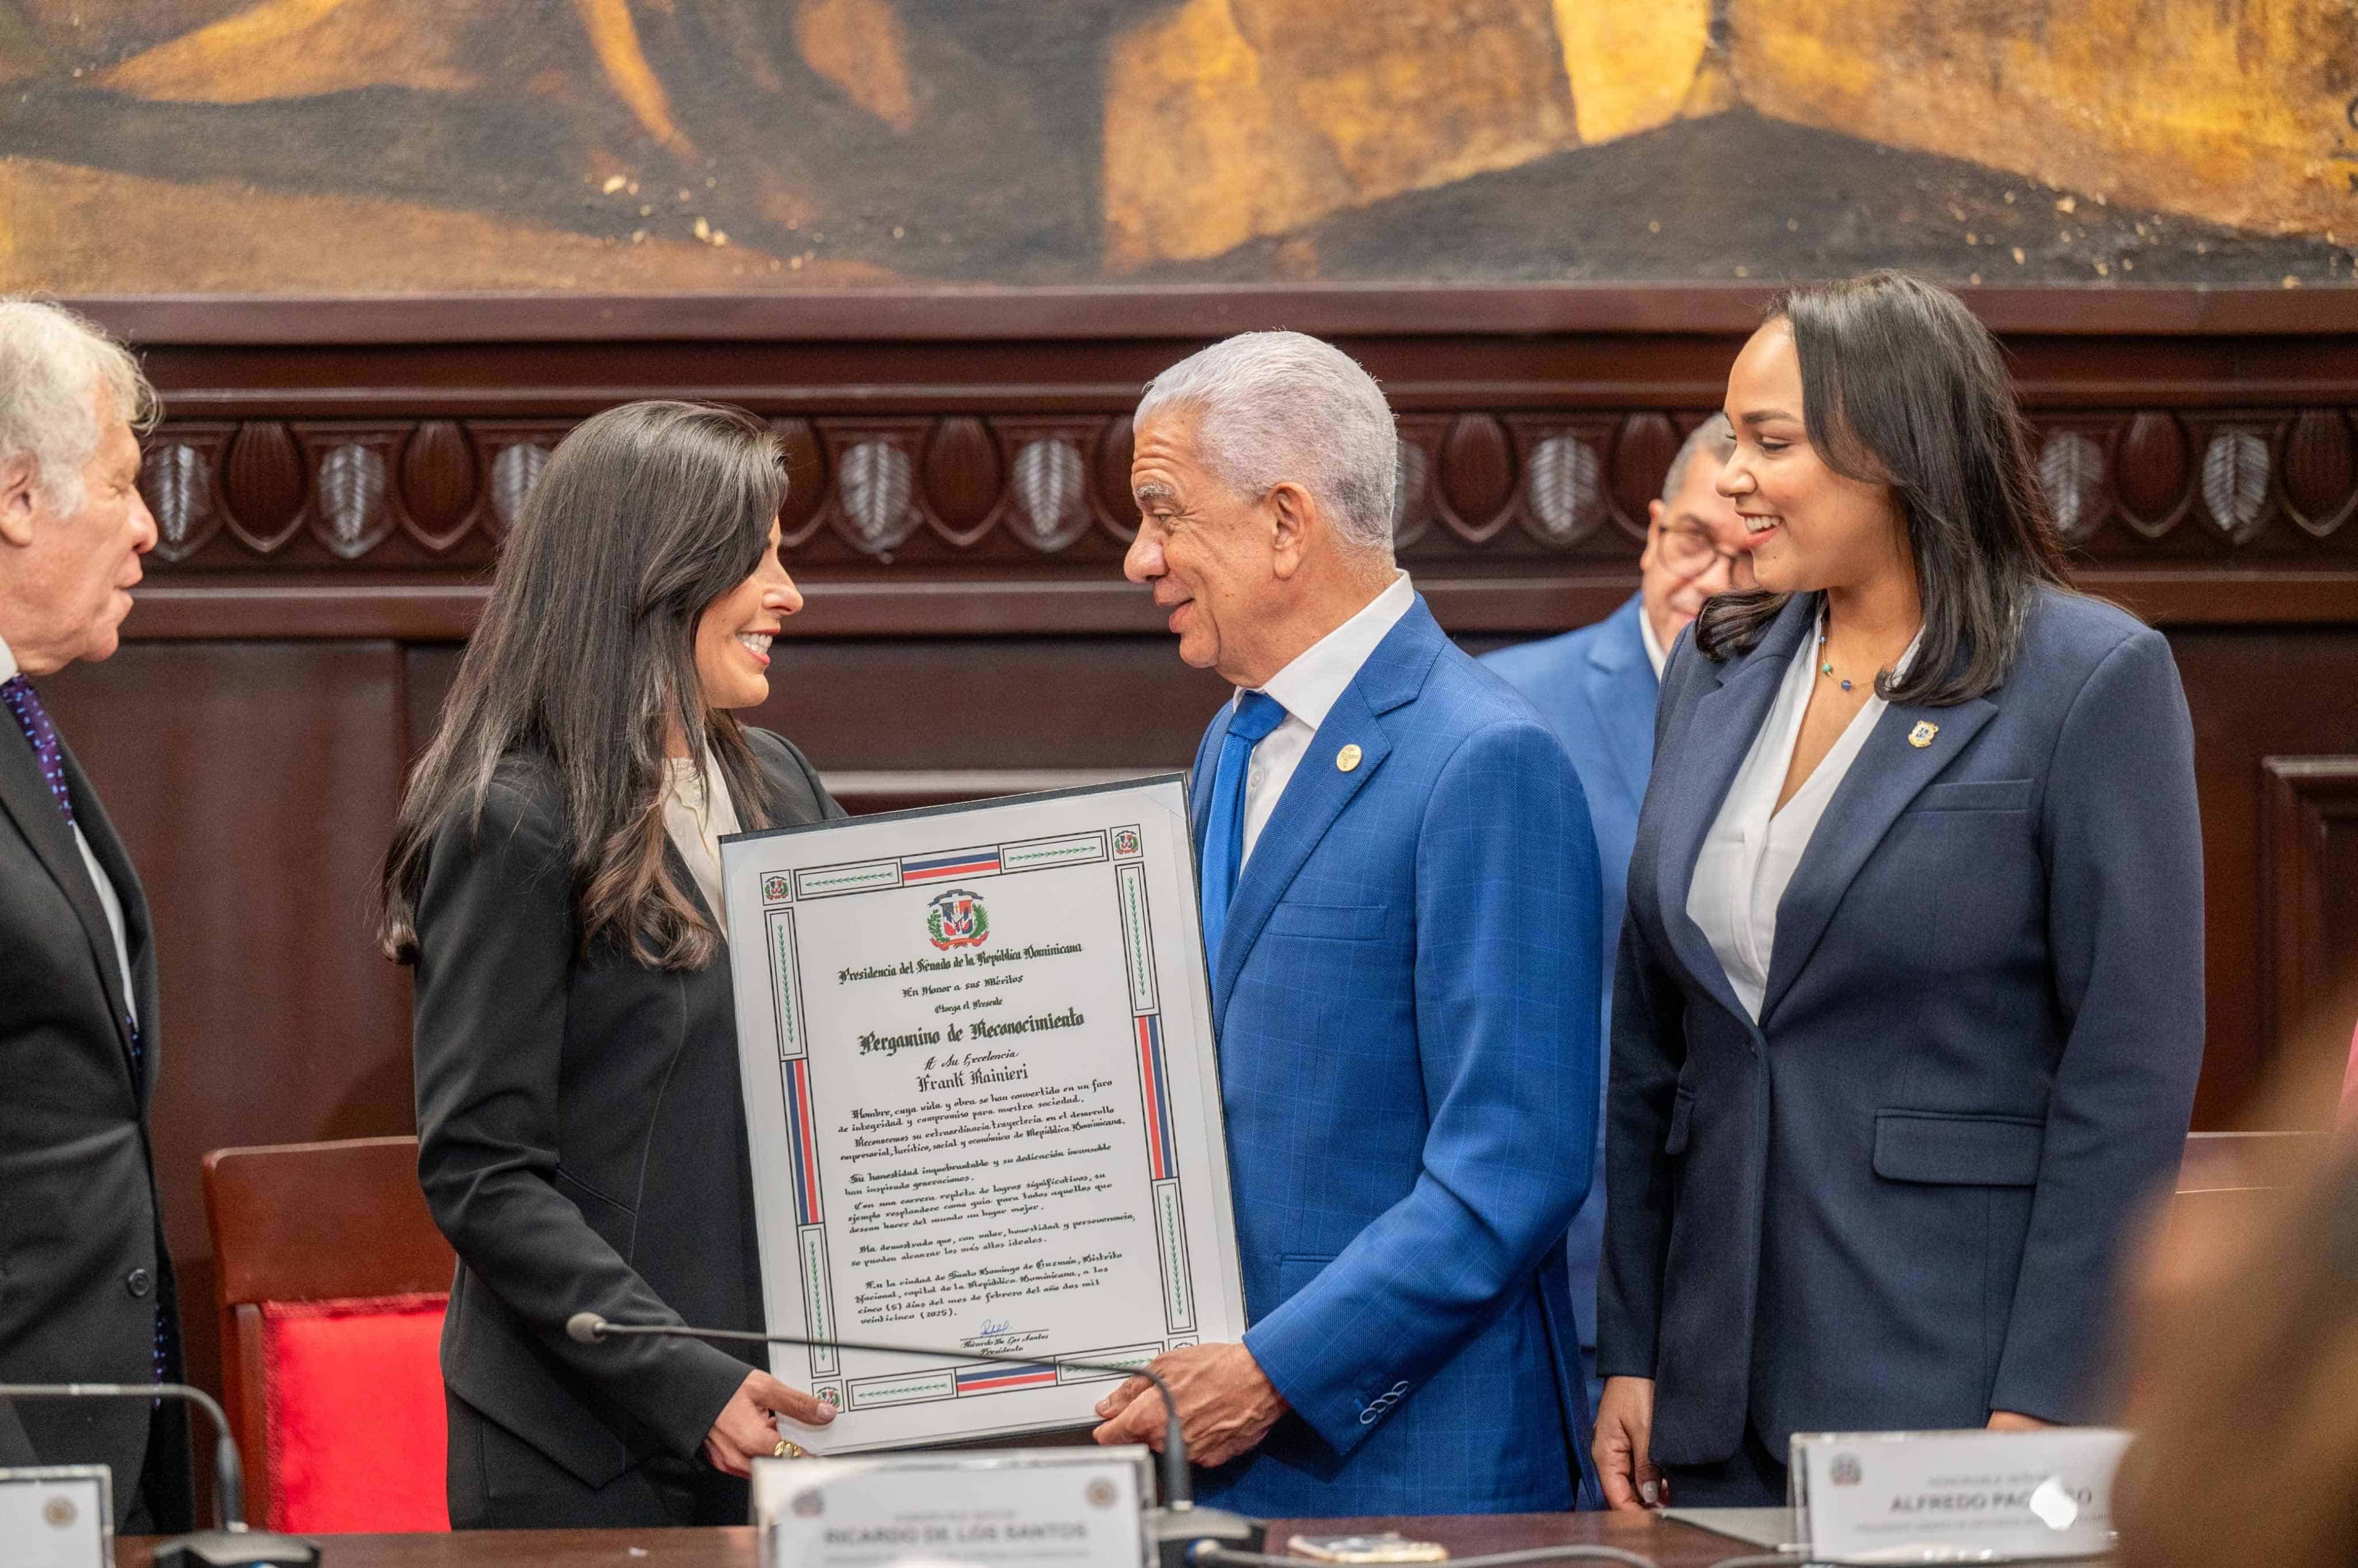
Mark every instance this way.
x=1670 y=1545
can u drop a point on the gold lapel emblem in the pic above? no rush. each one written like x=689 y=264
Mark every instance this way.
x=1921 y=736
x=1347 y=758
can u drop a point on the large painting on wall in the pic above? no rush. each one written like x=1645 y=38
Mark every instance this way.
x=361 y=145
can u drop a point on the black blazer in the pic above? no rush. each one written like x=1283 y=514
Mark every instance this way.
x=1896 y=1201
x=82 y=1264
x=581 y=1140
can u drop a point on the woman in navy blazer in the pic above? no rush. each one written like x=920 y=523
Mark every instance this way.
x=1886 y=1090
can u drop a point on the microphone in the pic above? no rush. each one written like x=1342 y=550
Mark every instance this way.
x=1180 y=1527
x=233 y=1545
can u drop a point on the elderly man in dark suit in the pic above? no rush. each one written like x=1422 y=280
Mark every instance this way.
x=86 y=1295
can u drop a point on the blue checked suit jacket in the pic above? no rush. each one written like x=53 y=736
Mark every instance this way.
x=1406 y=1007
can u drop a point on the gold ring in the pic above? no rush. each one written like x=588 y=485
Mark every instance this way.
x=785 y=1450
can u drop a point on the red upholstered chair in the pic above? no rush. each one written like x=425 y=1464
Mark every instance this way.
x=331 y=1284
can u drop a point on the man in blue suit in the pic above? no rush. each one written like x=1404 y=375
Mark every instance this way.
x=1401 y=915
x=1596 y=688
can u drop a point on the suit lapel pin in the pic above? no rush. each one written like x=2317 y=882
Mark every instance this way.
x=1347 y=758
x=1921 y=736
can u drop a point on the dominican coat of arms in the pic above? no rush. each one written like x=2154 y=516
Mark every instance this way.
x=956 y=919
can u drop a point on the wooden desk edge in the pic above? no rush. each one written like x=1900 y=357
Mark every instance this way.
x=1670 y=1545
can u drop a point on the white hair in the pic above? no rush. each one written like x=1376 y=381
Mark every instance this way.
x=1274 y=407
x=50 y=362
x=1714 y=435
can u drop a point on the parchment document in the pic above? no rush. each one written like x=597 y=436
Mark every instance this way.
x=983 y=1105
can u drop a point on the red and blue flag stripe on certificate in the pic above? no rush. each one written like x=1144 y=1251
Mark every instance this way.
x=1160 y=1165
x=963 y=863
x=991 y=1380
x=805 y=1149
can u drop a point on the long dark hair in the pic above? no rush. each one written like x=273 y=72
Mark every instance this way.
x=1902 y=385
x=586 y=658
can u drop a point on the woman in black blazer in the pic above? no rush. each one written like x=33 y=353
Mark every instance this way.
x=553 y=878
x=1909 y=1009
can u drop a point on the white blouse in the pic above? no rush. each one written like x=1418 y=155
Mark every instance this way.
x=1751 y=851
x=695 y=825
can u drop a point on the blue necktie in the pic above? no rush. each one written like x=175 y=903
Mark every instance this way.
x=1256 y=714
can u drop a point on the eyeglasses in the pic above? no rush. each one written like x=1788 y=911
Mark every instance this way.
x=1692 y=552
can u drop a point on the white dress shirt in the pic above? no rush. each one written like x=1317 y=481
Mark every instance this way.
x=695 y=824
x=1656 y=654
x=1306 y=688
x=108 y=900
x=1751 y=851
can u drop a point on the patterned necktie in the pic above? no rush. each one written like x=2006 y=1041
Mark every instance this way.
x=33 y=718
x=1256 y=714
x=41 y=735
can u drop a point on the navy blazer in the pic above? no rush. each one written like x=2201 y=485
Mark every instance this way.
x=1405 y=1002
x=1597 y=689
x=1896 y=1201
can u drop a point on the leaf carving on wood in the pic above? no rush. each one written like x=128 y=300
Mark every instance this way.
x=2320 y=472
x=876 y=491
x=962 y=479
x=2071 y=473
x=352 y=515
x=2236 y=482
x=1052 y=506
x=262 y=485
x=1116 y=507
x=178 y=485
x=1563 y=490
x=806 y=462
x=1642 y=455
x=1477 y=475
x=2151 y=474
x=440 y=486
x=514 y=474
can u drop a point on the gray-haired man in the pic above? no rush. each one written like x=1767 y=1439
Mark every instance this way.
x=1399 y=906
x=87 y=1294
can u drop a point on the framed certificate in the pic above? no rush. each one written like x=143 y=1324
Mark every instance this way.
x=983 y=1106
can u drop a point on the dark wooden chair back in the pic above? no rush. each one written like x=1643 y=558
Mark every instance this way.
x=309 y=1222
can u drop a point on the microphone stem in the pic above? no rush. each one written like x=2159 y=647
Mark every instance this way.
x=229 y=1474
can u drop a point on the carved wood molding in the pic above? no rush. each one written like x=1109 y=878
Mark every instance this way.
x=2309 y=827
x=1050 y=492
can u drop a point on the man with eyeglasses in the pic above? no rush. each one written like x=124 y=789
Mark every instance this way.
x=1596 y=688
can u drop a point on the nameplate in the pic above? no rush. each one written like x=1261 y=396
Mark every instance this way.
x=58 y=1515
x=1078 y=1508
x=1953 y=1497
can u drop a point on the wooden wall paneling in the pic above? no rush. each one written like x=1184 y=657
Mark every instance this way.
x=253 y=785
x=427 y=671
x=2255 y=694
x=2307 y=893
x=991 y=703
x=901 y=705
